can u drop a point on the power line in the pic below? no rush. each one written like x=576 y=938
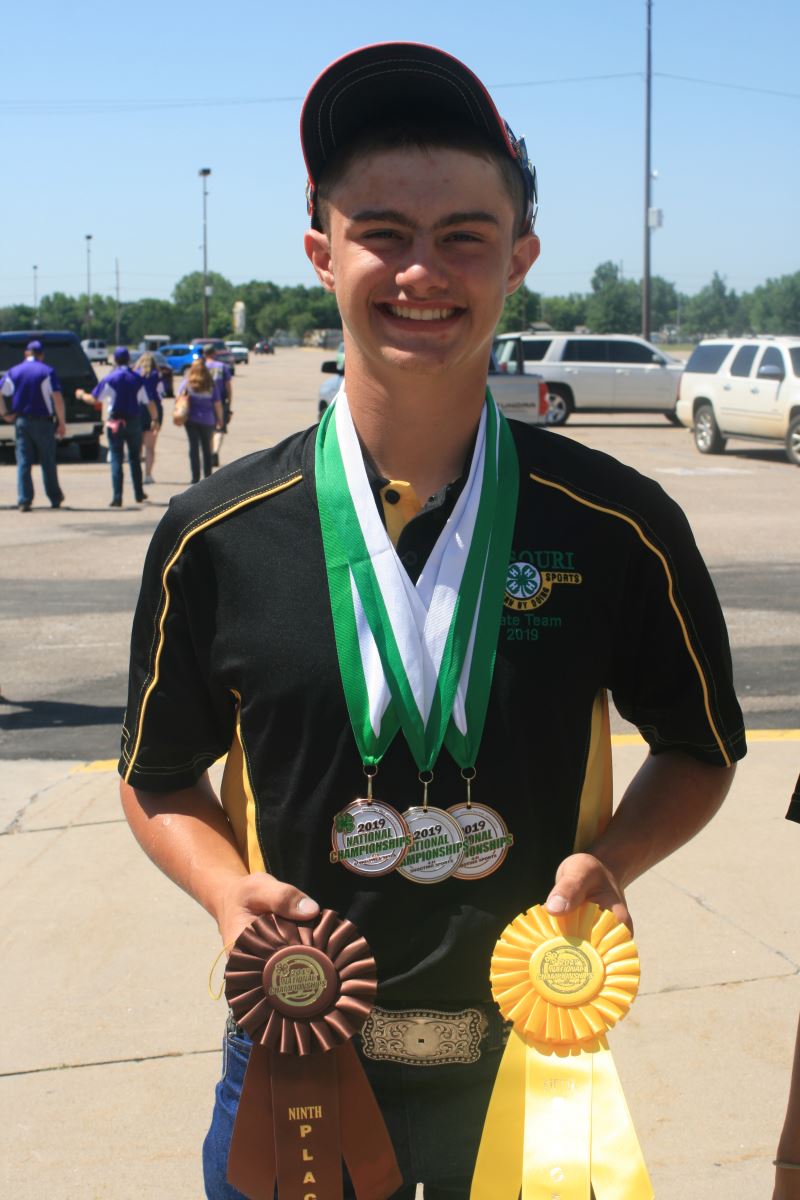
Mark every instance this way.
x=733 y=87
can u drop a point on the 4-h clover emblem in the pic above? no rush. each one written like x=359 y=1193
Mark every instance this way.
x=344 y=822
x=523 y=580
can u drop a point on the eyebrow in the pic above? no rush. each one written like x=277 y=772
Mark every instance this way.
x=394 y=217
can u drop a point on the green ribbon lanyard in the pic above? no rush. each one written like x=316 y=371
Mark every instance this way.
x=487 y=562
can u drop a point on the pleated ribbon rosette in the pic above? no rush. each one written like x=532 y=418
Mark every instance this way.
x=301 y=991
x=557 y=1124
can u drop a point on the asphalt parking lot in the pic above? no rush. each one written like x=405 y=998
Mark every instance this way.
x=71 y=577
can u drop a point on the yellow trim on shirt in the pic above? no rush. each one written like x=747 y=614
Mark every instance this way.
x=233 y=507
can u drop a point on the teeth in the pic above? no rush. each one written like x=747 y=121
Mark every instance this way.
x=421 y=314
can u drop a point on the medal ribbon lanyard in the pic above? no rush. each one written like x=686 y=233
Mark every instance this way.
x=434 y=645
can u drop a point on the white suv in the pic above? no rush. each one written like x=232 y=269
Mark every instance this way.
x=593 y=372
x=743 y=387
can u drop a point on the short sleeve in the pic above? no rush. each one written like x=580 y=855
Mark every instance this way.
x=672 y=673
x=177 y=721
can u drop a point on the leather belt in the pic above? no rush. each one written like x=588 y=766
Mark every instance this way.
x=425 y=1037
x=428 y=1038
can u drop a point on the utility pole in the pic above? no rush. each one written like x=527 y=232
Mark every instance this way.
x=88 y=285
x=204 y=173
x=116 y=322
x=35 y=298
x=648 y=83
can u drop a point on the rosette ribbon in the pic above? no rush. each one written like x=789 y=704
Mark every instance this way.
x=301 y=991
x=557 y=1124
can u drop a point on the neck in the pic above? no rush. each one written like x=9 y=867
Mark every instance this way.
x=419 y=429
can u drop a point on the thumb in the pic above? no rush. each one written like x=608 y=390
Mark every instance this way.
x=261 y=893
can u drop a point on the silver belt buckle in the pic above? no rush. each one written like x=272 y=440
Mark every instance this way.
x=423 y=1037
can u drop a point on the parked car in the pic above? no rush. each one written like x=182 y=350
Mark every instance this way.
x=179 y=356
x=95 y=350
x=63 y=351
x=594 y=372
x=239 y=351
x=221 y=351
x=264 y=346
x=523 y=397
x=744 y=388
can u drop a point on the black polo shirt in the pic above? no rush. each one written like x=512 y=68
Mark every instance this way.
x=233 y=653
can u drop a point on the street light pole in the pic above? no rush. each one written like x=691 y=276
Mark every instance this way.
x=35 y=298
x=648 y=82
x=204 y=173
x=88 y=285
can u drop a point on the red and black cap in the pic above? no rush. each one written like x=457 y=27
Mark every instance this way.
x=394 y=80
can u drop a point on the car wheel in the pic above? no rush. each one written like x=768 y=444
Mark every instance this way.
x=793 y=441
x=560 y=403
x=707 y=436
x=89 y=451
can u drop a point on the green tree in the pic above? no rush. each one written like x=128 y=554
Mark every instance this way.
x=663 y=303
x=774 y=307
x=615 y=305
x=564 y=312
x=714 y=309
x=520 y=310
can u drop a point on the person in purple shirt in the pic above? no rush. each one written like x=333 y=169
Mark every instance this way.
x=125 y=394
x=223 y=391
x=205 y=416
x=34 y=390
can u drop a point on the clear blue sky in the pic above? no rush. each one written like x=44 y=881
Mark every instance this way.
x=108 y=114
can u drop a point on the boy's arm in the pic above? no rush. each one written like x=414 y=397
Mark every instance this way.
x=187 y=835
x=787 y=1180
x=668 y=801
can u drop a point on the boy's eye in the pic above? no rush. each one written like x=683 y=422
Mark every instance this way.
x=372 y=234
x=463 y=235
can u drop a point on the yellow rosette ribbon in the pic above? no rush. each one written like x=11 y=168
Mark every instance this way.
x=558 y=1127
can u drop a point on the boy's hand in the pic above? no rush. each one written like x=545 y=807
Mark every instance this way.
x=583 y=877
x=250 y=896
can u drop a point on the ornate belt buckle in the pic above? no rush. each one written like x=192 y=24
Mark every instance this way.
x=423 y=1037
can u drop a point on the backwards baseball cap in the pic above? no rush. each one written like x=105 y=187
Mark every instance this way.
x=122 y=354
x=35 y=346
x=405 y=80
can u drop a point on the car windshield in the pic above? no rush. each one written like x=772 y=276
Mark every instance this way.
x=794 y=355
x=67 y=357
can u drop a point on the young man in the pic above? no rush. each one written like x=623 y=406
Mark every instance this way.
x=126 y=395
x=297 y=610
x=37 y=409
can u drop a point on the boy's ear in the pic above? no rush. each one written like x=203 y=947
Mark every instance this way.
x=318 y=249
x=523 y=255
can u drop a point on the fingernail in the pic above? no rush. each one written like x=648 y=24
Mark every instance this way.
x=306 y=905
x=557 y=904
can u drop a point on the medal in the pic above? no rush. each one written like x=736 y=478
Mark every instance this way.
x=438 y=841
x=416 y=657
x=369 y=837
x=486 y=840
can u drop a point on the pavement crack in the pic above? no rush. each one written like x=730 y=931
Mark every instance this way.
x=107 y=1062
x=709 y=908
x=718 y=984
x=64 y=828
x=14 y=825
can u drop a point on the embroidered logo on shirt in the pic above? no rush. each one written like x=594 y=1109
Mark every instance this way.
x=532 y=575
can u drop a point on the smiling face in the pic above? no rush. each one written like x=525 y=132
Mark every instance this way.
x=420 y=252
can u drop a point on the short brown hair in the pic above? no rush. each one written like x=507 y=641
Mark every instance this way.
x=420 y=135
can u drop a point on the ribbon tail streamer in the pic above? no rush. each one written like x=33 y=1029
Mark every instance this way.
x=618 y=1167
x=251 y=1159
x=305 y=1095
x=366 y=1146
x=498 y=1170
x=558 y=1116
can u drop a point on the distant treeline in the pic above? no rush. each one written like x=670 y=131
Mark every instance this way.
x=614 y=305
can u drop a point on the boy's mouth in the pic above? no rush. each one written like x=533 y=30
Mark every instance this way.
x=411 y=312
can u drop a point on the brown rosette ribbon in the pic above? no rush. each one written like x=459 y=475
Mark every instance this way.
x=301 y=991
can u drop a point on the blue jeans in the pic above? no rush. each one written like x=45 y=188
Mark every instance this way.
x=36 y=435
x=434 y=1115
x=129 y=435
